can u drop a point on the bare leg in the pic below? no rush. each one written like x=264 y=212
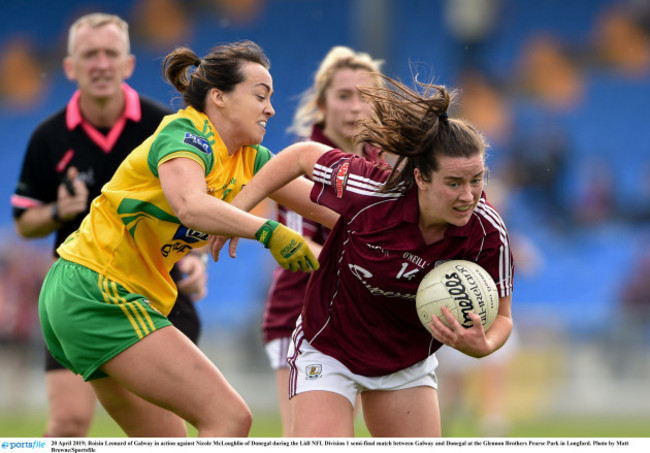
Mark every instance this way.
x=72 y=404
x=321 y=414
x=168 y=370
x=410 y=412
x=136 y=416
x=282 y=386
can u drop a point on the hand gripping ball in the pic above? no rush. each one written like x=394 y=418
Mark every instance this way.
x=462 y=286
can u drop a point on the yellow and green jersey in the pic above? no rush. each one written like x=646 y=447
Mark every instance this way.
x=131 y=234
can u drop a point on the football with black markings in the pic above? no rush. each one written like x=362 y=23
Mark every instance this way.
x=461 y=286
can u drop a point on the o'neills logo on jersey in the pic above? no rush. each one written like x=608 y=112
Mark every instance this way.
x=341 y=179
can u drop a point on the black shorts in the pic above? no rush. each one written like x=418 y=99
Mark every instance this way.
x=183 y=315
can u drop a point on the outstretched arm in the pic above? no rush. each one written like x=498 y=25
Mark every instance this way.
x=280 y=180
x=183 y=184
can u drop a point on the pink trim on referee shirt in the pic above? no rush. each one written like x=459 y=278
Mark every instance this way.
x=18 y=201
x=67 y=157
x=105 y=142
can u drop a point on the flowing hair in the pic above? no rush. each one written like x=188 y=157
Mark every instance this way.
x=414 y=125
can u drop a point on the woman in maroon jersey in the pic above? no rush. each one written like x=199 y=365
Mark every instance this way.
x=328 y=113
x=359 y=332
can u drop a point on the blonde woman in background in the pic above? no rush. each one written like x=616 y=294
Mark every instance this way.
x=328 y=113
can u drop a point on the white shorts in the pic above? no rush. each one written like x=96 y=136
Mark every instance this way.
x=312 y=370
x=276 y=351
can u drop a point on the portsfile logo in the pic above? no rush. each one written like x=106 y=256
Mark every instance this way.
x=23 y=444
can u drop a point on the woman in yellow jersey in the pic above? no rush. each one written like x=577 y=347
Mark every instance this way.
x=103 y=305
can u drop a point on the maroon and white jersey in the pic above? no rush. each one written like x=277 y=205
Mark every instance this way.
x=287 y=291
x=360 y=305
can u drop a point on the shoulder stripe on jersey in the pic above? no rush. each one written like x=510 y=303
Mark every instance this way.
x=356 y=184
x=483 y=211
x=367 y=186
x=322 y=171
x=324 y=175
x=372 y=193
x=505 y=264
x=362 y=181
x=490 y=215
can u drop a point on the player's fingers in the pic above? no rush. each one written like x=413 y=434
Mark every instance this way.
x=215 y=244
x=451 y=320
x=72 y=173
x=80 y=189
x=232 y=247
x=312 y=261
x=439 y=330
x=476 y=320
x=437 y=325
x=211 y=249
x=193 y=279
x=62 y=192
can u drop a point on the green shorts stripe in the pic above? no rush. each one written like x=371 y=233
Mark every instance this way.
x=135 y=313
x=87 y=319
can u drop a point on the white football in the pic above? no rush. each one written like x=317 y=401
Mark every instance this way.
x=462 y=286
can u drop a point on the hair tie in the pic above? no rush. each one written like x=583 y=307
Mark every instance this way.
x=443 y=117
x=197 y=62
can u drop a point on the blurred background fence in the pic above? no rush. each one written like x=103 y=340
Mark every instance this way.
x=561 y=89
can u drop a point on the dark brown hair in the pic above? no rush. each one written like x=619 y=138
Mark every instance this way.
x=414 y=126
x=221 y=68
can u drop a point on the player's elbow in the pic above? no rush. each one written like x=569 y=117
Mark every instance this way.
x=25 y=230
x=190 y=212
x=186 y=215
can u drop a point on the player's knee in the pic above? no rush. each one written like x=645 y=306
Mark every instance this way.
x=244 y=422
x=239 y=421
x=68 y=425
x=235 y=421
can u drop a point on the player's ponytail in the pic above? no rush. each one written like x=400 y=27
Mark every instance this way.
x=175 y=68
x=415 y=126
x=220 y=69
